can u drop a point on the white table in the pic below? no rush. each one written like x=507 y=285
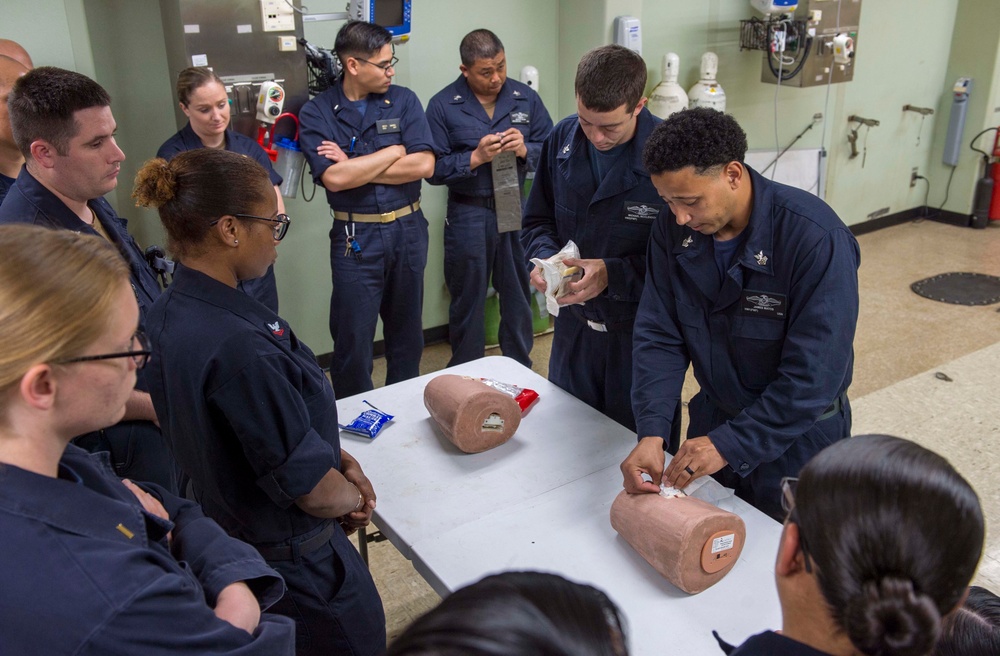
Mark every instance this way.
x=542 y=502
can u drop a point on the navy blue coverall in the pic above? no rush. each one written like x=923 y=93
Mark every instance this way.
x=265 y=288
x=769 y=643
x=88 y=571
x=388 y=280
x=610 y=221
x=137 y=449
x=5 y=185
x=771 y=344
x=474 y=252
x=252 y=421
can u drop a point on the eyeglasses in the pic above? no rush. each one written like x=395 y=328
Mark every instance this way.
x=139 y=356
x=788 y=486
x=385 y=67
x=281 y=221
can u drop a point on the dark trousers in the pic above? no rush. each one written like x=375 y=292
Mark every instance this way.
x=333 y=600
x=594 y=367
x=761 y=488
x=387 y=282
x=474 y=253
x=138 y=452
x=263 y=289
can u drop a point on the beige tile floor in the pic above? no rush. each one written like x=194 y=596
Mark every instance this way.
x=900 y=337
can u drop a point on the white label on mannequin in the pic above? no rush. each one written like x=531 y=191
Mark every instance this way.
x=493 y=423
x=723 y=543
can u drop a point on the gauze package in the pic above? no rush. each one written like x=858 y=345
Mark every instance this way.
x=555 y=272
x=369 y=423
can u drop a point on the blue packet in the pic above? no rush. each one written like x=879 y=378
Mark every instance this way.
x=368 y=423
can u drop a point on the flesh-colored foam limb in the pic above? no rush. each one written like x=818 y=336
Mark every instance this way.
x=688 y=541
x=471 y=415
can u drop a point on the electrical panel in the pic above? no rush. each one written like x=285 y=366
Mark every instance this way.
x=277 y=16
x=811 y=47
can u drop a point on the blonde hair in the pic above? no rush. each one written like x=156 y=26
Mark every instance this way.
x=57 y=289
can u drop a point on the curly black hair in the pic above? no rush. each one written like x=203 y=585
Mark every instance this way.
x=701 y=137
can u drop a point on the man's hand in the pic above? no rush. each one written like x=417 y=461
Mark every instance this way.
x=594 y=281
x=238 y=606
x=488 y=148
x=538 y=280
x=352 y=471
x=513 y=140
x=139 y=407
x=646 y=458
x=149 y=503
x=330 y=150
x=697 y=457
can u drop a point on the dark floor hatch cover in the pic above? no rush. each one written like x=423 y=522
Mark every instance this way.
x=960 y=288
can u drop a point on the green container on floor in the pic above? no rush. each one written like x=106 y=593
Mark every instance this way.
x=492 y=323
x=539 y=313
x=540 y=320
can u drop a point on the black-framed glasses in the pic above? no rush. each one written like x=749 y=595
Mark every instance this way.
x=139 y=356
x=281 y=221
x=385 y=67
x=789 y=484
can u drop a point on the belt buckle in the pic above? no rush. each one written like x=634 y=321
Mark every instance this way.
x=598 y=326
x=387 y=217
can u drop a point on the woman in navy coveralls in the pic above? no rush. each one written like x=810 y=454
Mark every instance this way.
x=93 y=564
x=881 y=540
x=249 y=414
x=203 y=99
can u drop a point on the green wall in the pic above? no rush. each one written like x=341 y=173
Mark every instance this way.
x=974 y=52
x=426 y=64
x=54 y=32
x=135 y=73
x=903 y=56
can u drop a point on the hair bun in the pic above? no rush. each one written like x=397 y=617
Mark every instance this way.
x=155 y=184
x=888 y=617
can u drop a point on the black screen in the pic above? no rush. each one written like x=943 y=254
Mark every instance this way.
x=388 y=13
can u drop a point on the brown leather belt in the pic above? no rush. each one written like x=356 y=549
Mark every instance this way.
x=385 y=217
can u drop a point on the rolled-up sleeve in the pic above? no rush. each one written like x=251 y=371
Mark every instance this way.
x=315 y=128
x=271 y=419
x=168 y=616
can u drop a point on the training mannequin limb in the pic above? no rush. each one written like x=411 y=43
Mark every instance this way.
x=471 y=415
x=690 y=542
